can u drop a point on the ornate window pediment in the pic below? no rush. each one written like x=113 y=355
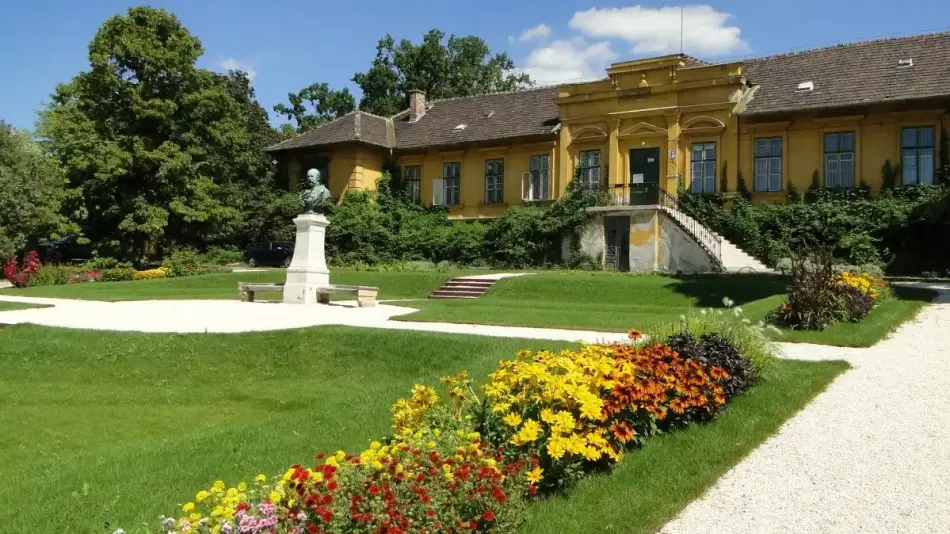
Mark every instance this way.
x=589 y=132
x=641 y=129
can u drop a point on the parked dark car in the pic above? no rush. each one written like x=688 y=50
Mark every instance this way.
x=269 y=253
x=64 y=249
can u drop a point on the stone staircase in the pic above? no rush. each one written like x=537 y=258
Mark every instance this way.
x=463 y=288
x=724 y=253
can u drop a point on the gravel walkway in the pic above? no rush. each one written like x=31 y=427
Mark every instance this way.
x=871 y=454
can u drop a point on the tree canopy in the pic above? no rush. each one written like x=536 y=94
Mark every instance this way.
x=460 y=66
x=325 y=105
x=32 y=188
x=156 y=146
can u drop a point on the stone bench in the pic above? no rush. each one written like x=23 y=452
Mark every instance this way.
x=365 y=295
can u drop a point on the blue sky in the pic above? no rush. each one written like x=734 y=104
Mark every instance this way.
x=288 y=44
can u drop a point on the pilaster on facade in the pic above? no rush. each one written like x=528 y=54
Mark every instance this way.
x=615 y=162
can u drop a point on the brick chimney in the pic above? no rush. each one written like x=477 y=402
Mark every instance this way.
x=417 y=104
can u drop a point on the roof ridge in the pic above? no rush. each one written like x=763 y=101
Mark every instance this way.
x=357 y=129
x=370 y=114
x=314 y=128
x=451 y=98
x=848 y=45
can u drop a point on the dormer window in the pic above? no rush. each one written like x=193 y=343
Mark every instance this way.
x=905 y=63
x=805 y=86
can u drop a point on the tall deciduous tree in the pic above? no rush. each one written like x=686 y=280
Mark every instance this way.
x=325 y=105
x=32 y=188
x=151 y=140
x=462 y=66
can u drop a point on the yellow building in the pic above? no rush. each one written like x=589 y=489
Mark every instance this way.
x=834 y=115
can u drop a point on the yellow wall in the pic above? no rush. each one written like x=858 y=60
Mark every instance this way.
x=659 y=103
x=877 y=139
x=350 y=167
x=472 y=204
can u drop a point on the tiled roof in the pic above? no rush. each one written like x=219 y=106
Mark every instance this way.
x=851 y=74
x=486 y=117
x=354 y=126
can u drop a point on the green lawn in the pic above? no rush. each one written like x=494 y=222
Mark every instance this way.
x=112 y=427
x=616 y=303
x=652 y=485
x=606 y=302
x=392 y=285
x=11 y=306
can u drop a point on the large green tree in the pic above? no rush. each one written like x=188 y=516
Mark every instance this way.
x=32 y=188
x=325 y=104
x=155 y=145
x=460 y=66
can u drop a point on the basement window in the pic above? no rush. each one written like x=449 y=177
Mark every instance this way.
x=905 y=63
x=805 y=86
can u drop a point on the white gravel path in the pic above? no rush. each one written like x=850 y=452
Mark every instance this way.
x=871 y=454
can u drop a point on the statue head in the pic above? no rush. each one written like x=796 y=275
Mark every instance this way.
x=313 y=176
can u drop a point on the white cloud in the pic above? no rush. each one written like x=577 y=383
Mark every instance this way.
x=538 y=33
x=568 y=60
x=230 y=63
x=656 y=31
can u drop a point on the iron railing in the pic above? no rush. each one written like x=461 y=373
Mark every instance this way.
x=653 y=195
x=703 y=235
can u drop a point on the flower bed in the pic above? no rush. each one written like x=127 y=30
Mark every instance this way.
x=470 y=461
x=820 y=296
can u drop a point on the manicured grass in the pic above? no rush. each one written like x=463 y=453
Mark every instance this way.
x=652 y=485
x=392 y=285
x=11 y=306
x=882 y=320
x=616 y=303
x=120 y=428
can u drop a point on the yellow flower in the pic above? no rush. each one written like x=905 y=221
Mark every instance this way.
x=437 y=432
x=201 y=496
x=535 y=475
x=219 y=485
x=188 y=507
x=512 y=419
x=194 y=517
x=316 y=476
x=242 y=486
x=260 y=479
x=528 y=433
x=275 y=497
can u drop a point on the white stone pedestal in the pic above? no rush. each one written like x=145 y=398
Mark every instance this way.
x=308 y=270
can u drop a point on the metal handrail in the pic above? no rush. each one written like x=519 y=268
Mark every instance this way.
x=703 y=235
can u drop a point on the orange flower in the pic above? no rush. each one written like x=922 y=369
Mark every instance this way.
x=678 y=405
x=719 y=399
x=718 y=373
x=635 y=335
x=622 y=431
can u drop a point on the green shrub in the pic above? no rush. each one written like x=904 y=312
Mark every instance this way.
x=220 y=256
x=102 y=263
x=118 y=274
x=52 y=275
x=813 y=301
x=182 y=262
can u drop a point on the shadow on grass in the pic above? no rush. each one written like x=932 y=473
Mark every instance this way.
x=709 y=290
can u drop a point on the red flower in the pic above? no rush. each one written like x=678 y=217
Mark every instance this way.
x=373 y=489
x=325 y=515
x=488 y=515
x=312 y=529
x=499 y=495
x=430 y=512
x=473 y=525
x=532 y=490
x=332 y=485
x=320 y=456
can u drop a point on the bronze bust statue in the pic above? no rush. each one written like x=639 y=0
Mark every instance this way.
x=314 y=193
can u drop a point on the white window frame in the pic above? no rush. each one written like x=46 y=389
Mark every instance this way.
x=702 y=171
x=588 y=162
x=767 y=165
x=839 y=162
x=536 y=183
x=412 y=182
x=438 y=192
x=494 y=181
x=451 y=183
x=921 y=155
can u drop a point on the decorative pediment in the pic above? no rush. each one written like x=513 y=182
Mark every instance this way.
x=589 y=132
x=703 y=123
x=642 y=129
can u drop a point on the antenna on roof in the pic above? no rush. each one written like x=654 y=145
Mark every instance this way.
x=682 y=9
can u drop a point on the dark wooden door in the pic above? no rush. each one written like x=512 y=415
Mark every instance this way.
x=644 y=176
x=617 y=237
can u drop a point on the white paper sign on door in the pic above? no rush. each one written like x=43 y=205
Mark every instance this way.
x=637 y=179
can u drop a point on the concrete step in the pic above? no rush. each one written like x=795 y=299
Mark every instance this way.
x=462 y=288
